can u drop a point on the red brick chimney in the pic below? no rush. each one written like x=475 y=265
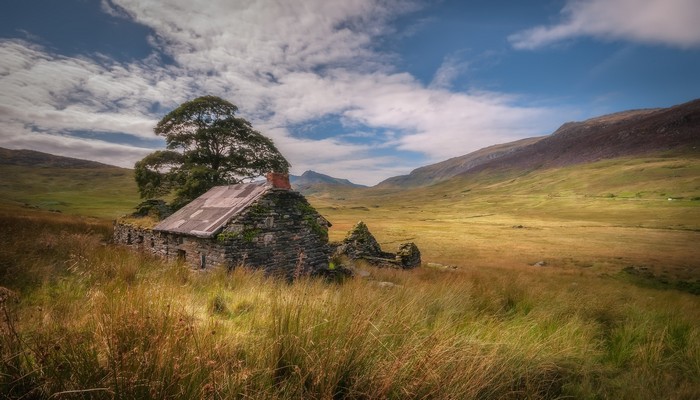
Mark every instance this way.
x=279 y=180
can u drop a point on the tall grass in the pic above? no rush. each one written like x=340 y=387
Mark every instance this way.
x=85 y=319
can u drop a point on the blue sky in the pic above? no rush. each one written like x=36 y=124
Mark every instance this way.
x=358 y=89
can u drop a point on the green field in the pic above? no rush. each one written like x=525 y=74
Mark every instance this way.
x=106 y=192
x=613 y=313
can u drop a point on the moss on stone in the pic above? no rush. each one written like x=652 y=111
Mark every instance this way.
x=146 y=222
x=226 y=236
x=251 y=233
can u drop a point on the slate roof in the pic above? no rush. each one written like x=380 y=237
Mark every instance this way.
x=208 y=213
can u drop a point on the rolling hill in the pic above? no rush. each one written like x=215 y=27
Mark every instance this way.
x=644 y=154
x=443 y=170
x=33 y=179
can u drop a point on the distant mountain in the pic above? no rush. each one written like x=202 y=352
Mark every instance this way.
x=311 y=181
x=621 y=134
x=31 y=158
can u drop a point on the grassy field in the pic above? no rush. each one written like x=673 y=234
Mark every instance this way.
x=612 y=314
x=600 y=217
x=106 y=192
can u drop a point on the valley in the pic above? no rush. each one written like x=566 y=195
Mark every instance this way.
x=576 y=280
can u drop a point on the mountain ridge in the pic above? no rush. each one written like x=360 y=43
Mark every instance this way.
x=33 y=158
x=442 y=170
x=625 y=133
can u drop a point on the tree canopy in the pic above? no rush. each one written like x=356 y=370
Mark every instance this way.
x=207 y=146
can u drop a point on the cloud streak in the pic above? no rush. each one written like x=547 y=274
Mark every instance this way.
x=668 y=22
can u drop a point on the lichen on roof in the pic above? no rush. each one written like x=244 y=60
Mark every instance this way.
x=208 y=213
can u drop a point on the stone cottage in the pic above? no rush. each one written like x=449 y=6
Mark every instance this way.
x=262 y=225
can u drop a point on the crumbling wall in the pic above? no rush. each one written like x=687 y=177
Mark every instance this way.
x=136 y=237
x=360 y=244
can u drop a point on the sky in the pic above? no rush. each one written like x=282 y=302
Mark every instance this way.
x=357 y=89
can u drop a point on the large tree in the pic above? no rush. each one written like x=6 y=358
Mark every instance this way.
x=207 y=145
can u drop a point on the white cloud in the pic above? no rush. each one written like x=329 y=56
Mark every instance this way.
x=281 y=62
x=56 y=93
x=669 y=22
x=451 y=68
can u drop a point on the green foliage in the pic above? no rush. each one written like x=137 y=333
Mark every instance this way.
x=258 y=210
x=207 y=145
x=311 y=218
x=154 y=208
x=320 y=230
x=226 y=236
x=249 y=234
x=150 y=175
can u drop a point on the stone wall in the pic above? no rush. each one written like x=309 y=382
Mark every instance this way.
x=280 y=233
x=196 y=252
x=136 y=237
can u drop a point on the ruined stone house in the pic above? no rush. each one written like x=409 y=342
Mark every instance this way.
x=262 y=225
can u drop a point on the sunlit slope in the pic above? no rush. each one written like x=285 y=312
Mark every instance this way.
x=613 y=209
x=106 y=192
x=605 y=189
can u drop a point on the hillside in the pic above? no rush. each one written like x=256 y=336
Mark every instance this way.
x=31 y=158
x=641 y=155
x=628 y=133
x=564 y=282
x=314 y=182
x=454 y=166
x=31 y=179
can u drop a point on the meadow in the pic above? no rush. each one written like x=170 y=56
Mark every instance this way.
x=613 y=313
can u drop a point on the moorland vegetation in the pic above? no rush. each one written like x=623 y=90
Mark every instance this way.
x=82 y=318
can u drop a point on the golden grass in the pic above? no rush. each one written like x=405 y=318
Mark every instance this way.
x=98 y=321
x=597 y=217
x=87 y=319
